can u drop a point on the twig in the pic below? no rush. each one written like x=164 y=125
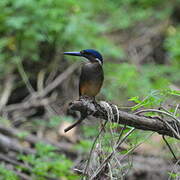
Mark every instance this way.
x=110 y=155
x=92 y=148
x=165 y=122
x=159 y=111
x=74 y=124
x=137 y=145
x=111 y=118
x=7 y=91
x=25 y=77
x=28 y=104
x=176 y=109
x=59 y=80
x=169 y=148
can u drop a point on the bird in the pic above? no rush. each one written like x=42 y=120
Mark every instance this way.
x=92 y=75
x=91 y=78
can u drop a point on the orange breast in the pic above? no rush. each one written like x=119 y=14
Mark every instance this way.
x=91 y=79
x=90 y=88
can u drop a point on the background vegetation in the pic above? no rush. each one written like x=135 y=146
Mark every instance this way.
x=140 y=42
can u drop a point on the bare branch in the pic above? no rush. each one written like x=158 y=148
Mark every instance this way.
x=7 y=91
x=14 y=133
x=7 y=144
x=137 y=121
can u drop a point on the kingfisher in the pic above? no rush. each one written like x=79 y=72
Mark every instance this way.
x=91 y=78
x=92 y=75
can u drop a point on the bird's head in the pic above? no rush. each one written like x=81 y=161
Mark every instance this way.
x=90 y=54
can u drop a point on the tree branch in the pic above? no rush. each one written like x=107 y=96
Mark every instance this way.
x=98 y=110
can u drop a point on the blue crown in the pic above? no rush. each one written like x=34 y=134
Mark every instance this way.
x=94 y=53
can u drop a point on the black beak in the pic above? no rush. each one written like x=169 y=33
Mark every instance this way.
x=73 y=53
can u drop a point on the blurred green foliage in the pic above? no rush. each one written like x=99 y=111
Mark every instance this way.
x=174 y=175
x=47 y=163
x=53 y=122
x=126 y=80
x=172 y=44
x=27 y=24
x=7 y=174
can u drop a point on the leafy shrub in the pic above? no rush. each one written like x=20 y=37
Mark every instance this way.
x=7 y=174
x=48 y=163
x=172 y=44
x=124 y=80
x=29 y=28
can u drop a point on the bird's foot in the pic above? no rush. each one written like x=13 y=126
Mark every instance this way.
x=89 y=98
x=84 y=112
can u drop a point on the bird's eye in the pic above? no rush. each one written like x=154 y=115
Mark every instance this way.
x=82 y=52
